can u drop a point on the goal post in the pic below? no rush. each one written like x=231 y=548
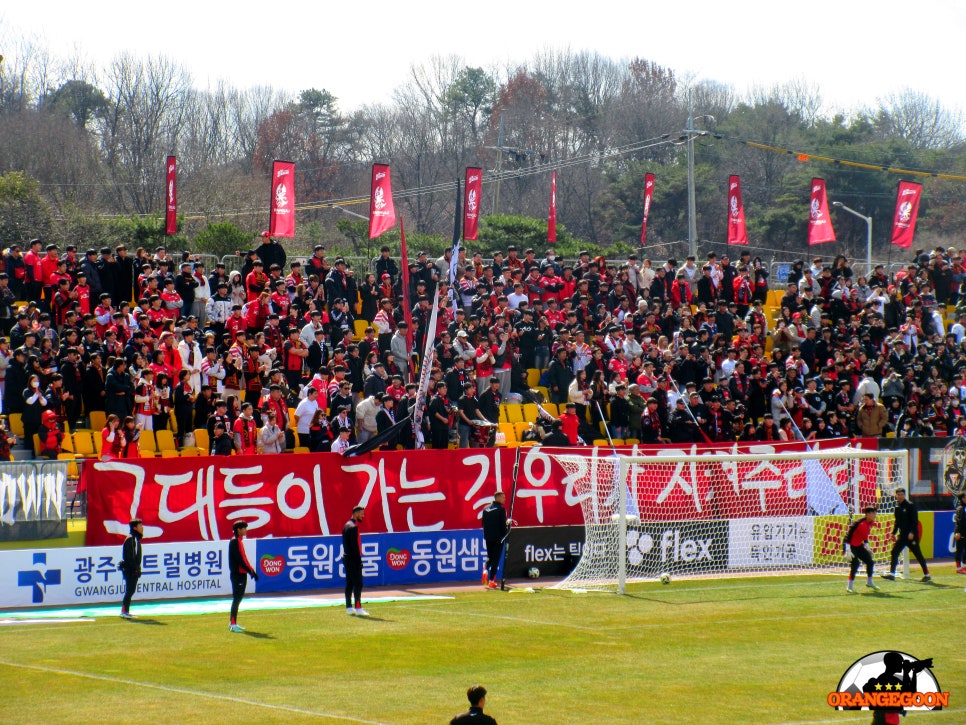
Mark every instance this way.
x=724 y=513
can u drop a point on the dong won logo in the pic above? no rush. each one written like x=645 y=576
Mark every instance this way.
x=272 y=565
x=891 y=682
x=398 y=558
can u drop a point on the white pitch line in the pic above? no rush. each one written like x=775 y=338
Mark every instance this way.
x=195 y=693
x=509 y=619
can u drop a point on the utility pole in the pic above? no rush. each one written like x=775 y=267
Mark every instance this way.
x=499 y=167
x=692 y=207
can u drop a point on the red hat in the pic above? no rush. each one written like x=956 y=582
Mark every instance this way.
x=266 y=234
x=797 y=316
x=386 y=276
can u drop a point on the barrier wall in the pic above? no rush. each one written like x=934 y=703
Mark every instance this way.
x=189 y=499
x=44 y=577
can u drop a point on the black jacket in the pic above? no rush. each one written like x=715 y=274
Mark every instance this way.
x=351 y=546
x=237 y=564
x=473 y=716
x=131 y=556
x=907 y=520
x=494 y=522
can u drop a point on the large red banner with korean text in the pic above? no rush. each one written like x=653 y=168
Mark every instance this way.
x=472 y=194
x=197 y=499
x=171 y=196
x=907 y=211
x=819 y=222
x=281 y=220
x=648 y=193
x=737 y=234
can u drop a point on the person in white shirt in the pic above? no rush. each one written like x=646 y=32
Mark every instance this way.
x=517 y=296
x=342 y=443
x=959 y=328
x=304 y=413
x=191 y=359
x=366 y=413
x=867 y=386
x=690 y=270
x=202 y=293
x=213 y=372
x=271 y=438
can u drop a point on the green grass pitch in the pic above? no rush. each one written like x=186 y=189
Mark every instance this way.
x=748 y=650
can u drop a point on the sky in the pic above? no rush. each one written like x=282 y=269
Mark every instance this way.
x=854 y=51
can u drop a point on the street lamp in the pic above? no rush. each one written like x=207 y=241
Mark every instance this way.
x=868 y=238
x=692 y=211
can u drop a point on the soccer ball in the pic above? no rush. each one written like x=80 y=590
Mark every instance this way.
x=533 y=573
x=665 y=578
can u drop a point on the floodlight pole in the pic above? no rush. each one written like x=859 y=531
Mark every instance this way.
x=868 y=234
x=692 y=205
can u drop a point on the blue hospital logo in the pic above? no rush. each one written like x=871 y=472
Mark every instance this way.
x=38 y=578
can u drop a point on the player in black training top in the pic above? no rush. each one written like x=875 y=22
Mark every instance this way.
x=906 y=533
x=475 y=715
x=239 y=570
x=130 y=565
x=352 y=562
x=496 y=525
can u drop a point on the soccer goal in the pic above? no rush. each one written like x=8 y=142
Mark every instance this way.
x=724 y=513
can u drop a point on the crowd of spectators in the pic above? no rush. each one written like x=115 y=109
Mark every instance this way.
x=656 y=352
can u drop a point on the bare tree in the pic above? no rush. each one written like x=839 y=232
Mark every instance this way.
x=148 y=102
x=919 y=119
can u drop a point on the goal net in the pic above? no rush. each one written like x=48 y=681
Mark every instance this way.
x=723 y=513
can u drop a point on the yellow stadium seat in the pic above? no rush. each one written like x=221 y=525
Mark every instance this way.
x=165 y=441
x=552 y=409
x=509 y=432
x=147 y=445
x=84 y=443
x=504 y=416
x=360 y=327
x=533 y=377
x=169 y=454
x=519 y=429
x=201 y=440
x=631 y=441
x=601 y=442
x=15 y=421
x=530 y=412
x=98 y=420
x=301 y=449
x=545 y=392
x=190 y=452
x=514 y=412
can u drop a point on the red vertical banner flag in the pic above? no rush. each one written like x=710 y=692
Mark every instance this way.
x=281 y=220
x=552 y=214
x=737 y=234
x=472 y=193
x=382 y=212
x=648 y=192
x=819 y=222
x=171 y=196
x=907 y=211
